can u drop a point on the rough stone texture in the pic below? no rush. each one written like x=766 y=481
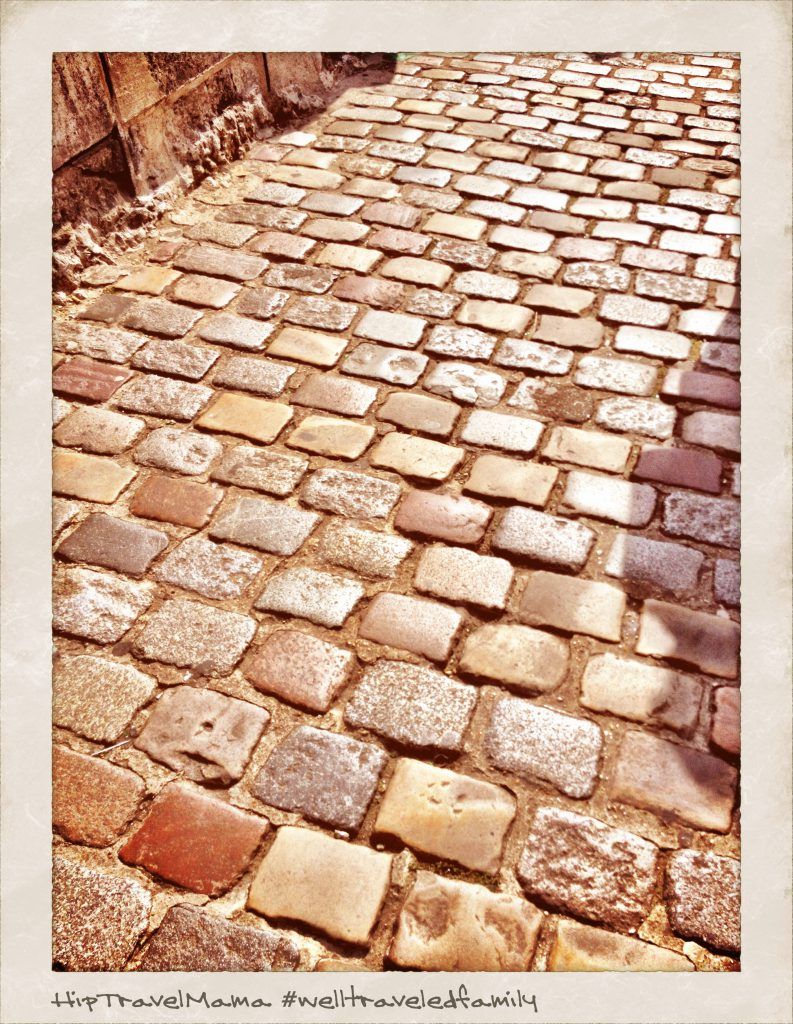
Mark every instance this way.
x=446 y=925
x=367 y=552
x=581 y=866
x=175 y=357
x=97 y=606
x=273 y=472
x=92 y=801
x=97 y=698
x=545 y=241
x=84 y=378
x=468 y=384
x=695 y=788
x=390 y=364
x=98 y=430
x=544 y=538
x=414 y=706
x=203 y=735
x=191 y=939
x=97 y=917
x=329 y=884
x=579 y=947
x=188 y=633
x=214 y=570
x=539 y=743
x=670 y=567
x=411 y=624
x=194 y=840
x=161 y=396
x=551 y=401
x=305 y=593
x=267 y=525
x=704 y=894
x=300 y=668
x=444 y=814
x=460 y=575
x=498 y=430
x=262 y=376
x=182 y=451
x=712 y=520
x=324 y=776
x=350 y=494
x=109 y=343
x=229 y=329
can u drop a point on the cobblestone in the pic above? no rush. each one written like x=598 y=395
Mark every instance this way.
x=318 y=596
x=85 y=378
x=197 y=841
x=704 y=898
x=300 y=668
x=695 y=788
x=113 y=544
x=98 y=431
x=579 y=947
x=517 y=656
x=412 y=624
x=97 y=917
x=476 y=930
x=329 y=884
x=93 y=801
x=414 y=706
x=189 y=939
x=203 y=735
x=460 y=575
x=436 y=395
x=447 y=815
x=326 y=777
x=97 y=698
x=97 y=606
x=541 y=743
x=188 y=633
x=444 y=516
x=641 y=692
x=706 y=641
x=579 y=865
x=543 y=538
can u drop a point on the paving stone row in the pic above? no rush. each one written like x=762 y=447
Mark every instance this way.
x=396 y=518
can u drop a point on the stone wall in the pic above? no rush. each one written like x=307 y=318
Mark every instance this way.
x=131 y=130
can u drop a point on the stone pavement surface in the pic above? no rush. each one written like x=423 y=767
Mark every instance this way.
x=396 y=537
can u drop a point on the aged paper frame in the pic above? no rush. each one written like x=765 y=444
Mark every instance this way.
x=760 y=30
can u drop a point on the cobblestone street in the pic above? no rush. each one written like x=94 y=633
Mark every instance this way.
x=396 y=588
